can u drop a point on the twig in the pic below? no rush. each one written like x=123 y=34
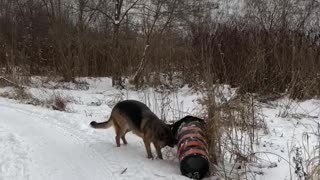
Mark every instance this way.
x=122 y=172
x=159 y=175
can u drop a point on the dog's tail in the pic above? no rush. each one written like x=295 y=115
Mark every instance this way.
x=102 y=125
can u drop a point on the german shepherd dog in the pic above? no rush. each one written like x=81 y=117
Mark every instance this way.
x=131 y=115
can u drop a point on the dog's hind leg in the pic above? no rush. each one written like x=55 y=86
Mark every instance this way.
x=158 y=149
x=123 y=137
x=118 y=133
x=124 y=140
x=147 y=144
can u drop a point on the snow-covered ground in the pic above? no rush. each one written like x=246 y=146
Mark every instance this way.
x=292 y=125
x=40 y=143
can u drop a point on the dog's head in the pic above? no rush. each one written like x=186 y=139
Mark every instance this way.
x=166 y=137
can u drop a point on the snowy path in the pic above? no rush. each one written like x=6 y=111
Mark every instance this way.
x=13 y=156
x=55 y=153
x=46 y=147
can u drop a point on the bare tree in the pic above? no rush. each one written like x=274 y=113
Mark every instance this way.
x=115 y=11
x=281 y=14
x=156 y=16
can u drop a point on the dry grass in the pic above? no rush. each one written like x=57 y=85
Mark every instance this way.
x=22 y=94
x=314 y=168
x=312 y=157
x=59 y=103
x=231 y=128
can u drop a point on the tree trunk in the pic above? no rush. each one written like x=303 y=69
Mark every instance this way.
x=116 y=64
x=142 y=65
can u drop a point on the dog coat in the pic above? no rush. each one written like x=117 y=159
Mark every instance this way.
x=192 y=149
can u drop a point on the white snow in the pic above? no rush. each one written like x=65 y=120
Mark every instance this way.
x=289 y=124
x=39 y=143
x=61 y=145
x=14 y=156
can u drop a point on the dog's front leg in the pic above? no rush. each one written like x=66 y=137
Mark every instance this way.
x=158 y=149
x=147 y=144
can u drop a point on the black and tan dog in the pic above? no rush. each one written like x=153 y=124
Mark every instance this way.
x=131 y=115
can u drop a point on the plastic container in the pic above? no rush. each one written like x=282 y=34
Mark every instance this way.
x=192 y=147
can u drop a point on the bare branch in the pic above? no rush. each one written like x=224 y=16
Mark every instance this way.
x=126 y=12
x=96 y=8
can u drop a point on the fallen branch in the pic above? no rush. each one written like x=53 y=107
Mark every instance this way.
x=11 y=82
